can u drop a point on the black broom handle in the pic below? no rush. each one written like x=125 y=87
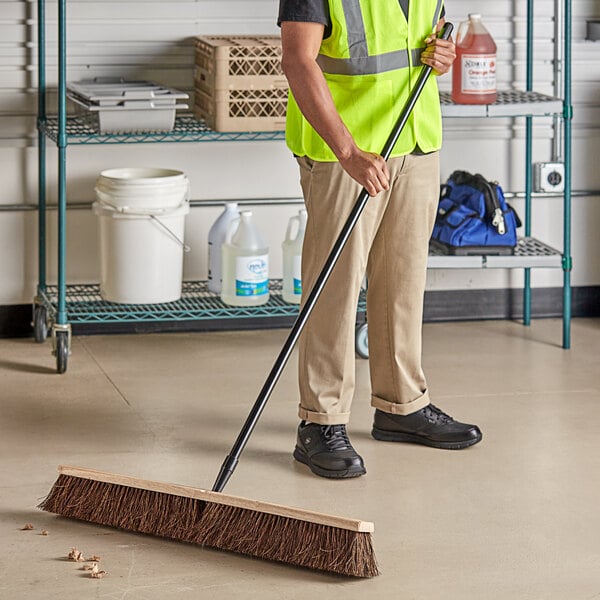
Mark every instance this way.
x=232 y=459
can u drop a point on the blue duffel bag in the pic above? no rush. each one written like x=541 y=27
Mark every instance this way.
x=474 y=218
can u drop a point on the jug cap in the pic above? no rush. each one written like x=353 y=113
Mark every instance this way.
x=475 y=16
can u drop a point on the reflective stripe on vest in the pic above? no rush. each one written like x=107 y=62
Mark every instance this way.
x=436 y=14
x=360 y=63
x=357 y=37
x=369 y=65
x=355 y=25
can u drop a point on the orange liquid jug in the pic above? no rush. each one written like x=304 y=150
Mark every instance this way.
x=474 y=70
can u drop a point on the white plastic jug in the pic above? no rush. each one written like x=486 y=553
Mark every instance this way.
x=216 y=237
x=245 y=258
x=292 y=258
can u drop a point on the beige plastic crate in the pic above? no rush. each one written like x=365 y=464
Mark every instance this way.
x=239 y=62
x=242 y=110
x=239 y=84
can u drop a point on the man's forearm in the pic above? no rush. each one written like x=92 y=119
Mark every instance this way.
x=314 y=99
x=301 y=42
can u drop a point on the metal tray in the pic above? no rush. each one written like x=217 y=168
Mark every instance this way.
x=113 y=91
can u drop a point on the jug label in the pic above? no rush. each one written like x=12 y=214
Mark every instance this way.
x=478 y=73
x=298 y=274
x=252 y=275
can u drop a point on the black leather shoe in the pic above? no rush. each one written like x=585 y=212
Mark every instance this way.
x=327 y=451
x=429 y=426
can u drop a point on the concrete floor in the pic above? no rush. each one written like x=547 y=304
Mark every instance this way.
x=515 y=517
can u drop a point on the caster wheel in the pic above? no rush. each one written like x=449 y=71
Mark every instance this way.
x=362 y=340
x=62 y=351
x=40 y=323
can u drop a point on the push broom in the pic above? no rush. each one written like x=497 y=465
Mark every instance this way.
x=211 y=518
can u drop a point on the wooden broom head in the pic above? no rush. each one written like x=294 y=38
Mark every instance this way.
x=268 y=531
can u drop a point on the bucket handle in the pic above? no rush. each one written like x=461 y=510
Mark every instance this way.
x=185 y=247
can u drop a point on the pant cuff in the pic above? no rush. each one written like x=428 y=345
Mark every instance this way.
x=406 y=408
x=323 y=418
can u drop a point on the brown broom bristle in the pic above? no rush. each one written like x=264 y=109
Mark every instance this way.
x=263 y=535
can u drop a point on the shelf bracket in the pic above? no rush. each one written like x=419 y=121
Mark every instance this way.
x=567 y=263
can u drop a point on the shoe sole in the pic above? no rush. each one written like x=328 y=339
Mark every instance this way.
x=394 y=436
x=301 y=456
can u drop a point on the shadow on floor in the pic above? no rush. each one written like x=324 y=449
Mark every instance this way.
x=11 y=365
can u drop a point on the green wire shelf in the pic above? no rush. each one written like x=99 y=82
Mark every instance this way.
x=529 y=253
x=85 y=305
x=82 y=130
x=187 y=129
x=510 y=103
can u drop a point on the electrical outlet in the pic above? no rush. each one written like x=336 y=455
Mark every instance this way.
x=549 y=177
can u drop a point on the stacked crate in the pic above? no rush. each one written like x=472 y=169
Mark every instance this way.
x=239 y=84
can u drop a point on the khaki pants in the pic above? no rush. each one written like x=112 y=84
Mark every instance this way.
x=390 y=244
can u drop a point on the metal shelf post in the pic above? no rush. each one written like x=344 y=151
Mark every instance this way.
x=61 y=316
x=528 y=164
x=41 y=146
x=568 y=117
x=40 y=311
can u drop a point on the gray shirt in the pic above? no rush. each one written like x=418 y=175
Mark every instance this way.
x=316 y=11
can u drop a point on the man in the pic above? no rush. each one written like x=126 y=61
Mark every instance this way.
x=350 y=66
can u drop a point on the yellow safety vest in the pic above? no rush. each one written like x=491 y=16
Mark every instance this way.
x=370 y=61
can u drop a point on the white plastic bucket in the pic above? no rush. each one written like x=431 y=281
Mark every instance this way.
x=142 y=223
x=142 y=188
x=141 y=257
